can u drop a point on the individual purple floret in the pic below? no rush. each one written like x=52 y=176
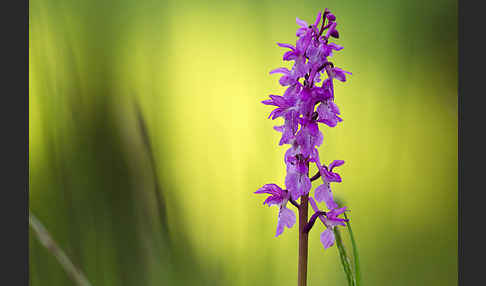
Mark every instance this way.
x=330 y=220
x=323 y=192
x=297 y=178
x=279 y=197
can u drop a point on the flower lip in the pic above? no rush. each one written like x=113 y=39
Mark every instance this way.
x=277 y=195
x=301 y=23
x=286 y=218
x=283 y=45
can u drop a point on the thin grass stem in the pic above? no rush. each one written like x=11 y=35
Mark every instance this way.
x=46 y=240
x=344 y=258
x=357 y=270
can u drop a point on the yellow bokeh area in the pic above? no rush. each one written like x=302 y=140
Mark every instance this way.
x=148 y=139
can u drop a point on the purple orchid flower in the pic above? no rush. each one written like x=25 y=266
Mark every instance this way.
x=330 y=220
x=328 y=113
x=279 y=197
x=309 y=136
x=306 y=32
x=286 y=109
x=329 y=15
x=288 y=77
x=328 y=48
x=307 y=102
x=297 y=179
x=339 y=74
x=323 y=192
x=300 y=66
x=332 y=32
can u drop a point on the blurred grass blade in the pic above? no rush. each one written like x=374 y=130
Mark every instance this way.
x=157 y=190
x=344 y=258
x=46 y=240
x=357 y=271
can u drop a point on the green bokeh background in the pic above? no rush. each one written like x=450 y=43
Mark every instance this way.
x=148 y=138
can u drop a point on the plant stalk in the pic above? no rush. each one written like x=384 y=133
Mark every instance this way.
x=344 y=258
x=357 y=270
x=303 y=240
x=45 y=239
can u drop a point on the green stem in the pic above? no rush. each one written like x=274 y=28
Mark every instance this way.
x=344 y=258
x=46 y=240
x=357 y=270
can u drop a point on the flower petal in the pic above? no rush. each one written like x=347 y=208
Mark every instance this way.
x=269 y=189
x=335 y=163
x=340 y=74
x=277 y=195
x=286 y=218
x=320 y=192
x=335 y=46
x=298 y=184
x=327 y=238
x=280 y=70
x=331 y=17
x=301 y=23
x=319 y=15
x=283 y=45
x=325 y=194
